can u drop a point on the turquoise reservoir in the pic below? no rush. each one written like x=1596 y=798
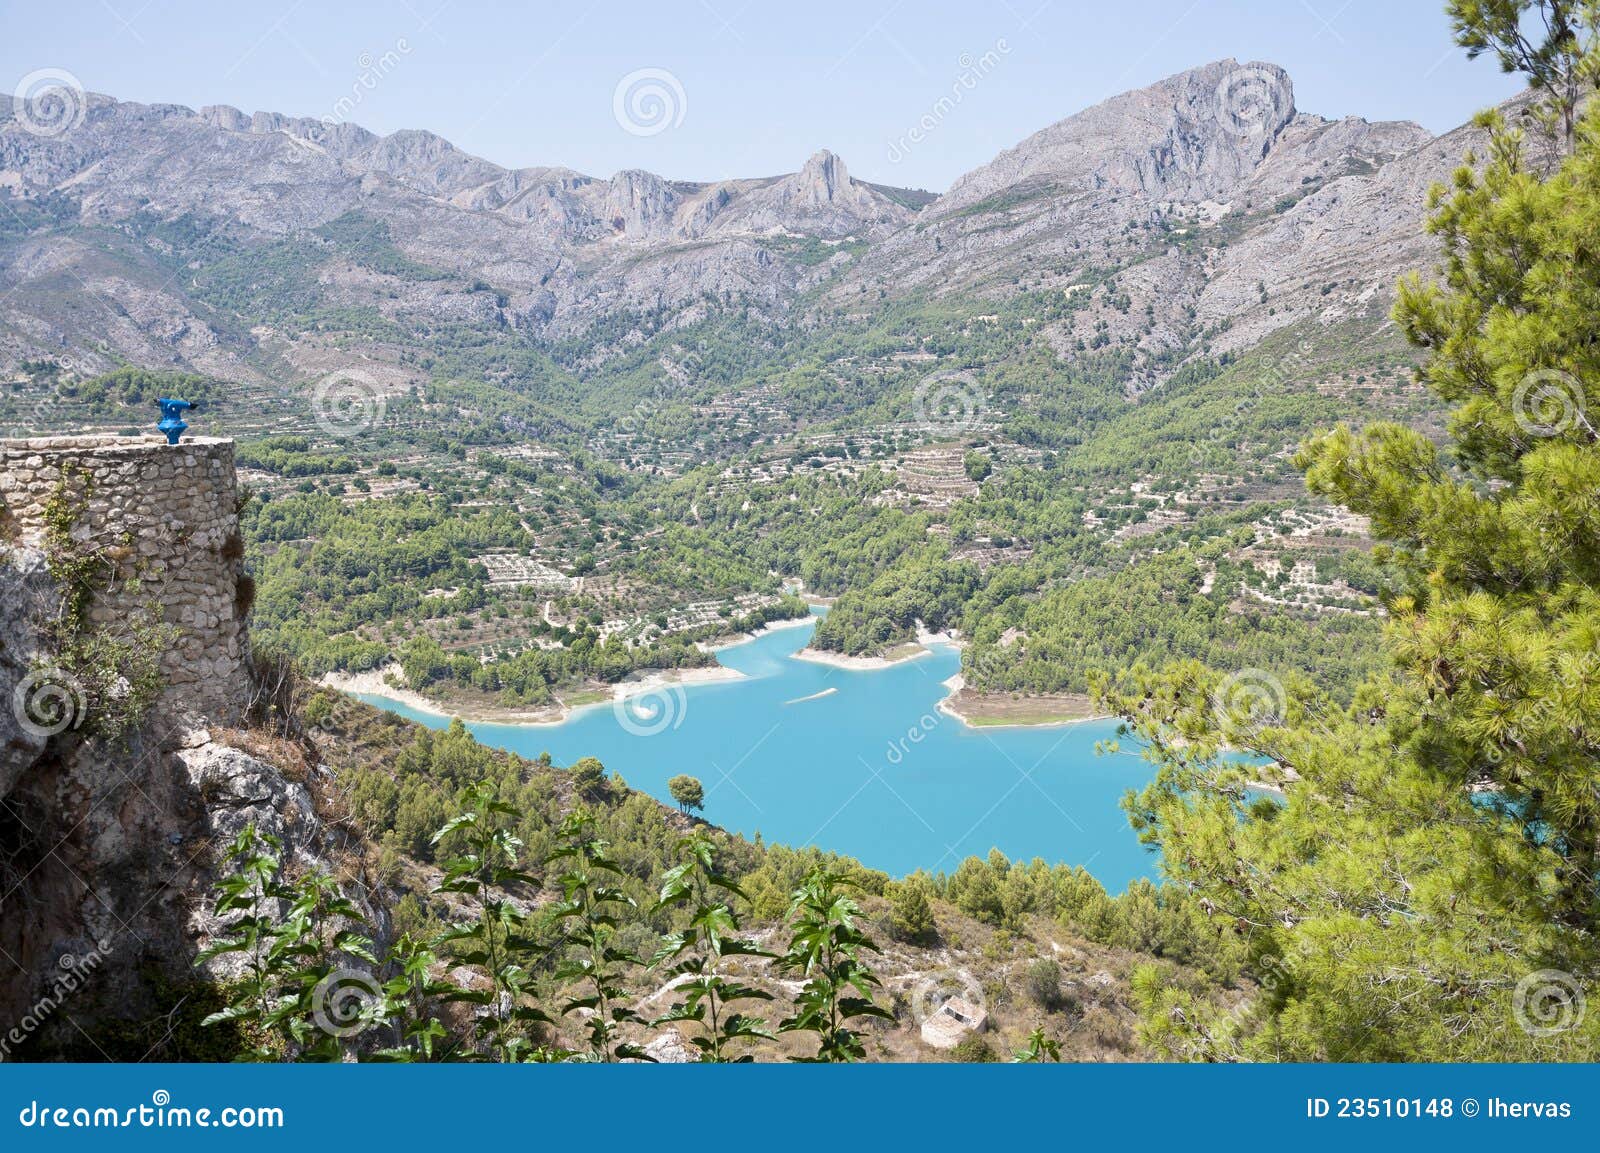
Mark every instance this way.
x=860 y=762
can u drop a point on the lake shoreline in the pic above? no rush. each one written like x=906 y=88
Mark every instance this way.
x=375 y=683
x=855 y=664
x=737 y=639
x=973 y=709
x=977 y=710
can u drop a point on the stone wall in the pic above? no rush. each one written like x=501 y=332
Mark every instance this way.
x=166 y=517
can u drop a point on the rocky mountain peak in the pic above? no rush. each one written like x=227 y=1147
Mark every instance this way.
x=822 y=199
x=1191 y=137
x=639 y=204
x=564 y=249
x=823 y=177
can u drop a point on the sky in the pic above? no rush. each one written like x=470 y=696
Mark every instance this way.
x=907 y=93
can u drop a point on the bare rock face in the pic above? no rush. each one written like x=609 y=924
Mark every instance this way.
x=236 y=789
x=1362 y=229
x=820 y=200
x=1311 y=151
x=670 y=1049
x=1195 y=136
x=427 y=163
x=113 y=855
x=639 y=205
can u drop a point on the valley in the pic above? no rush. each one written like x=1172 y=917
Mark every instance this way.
x=554 y=486
x=1136 y=602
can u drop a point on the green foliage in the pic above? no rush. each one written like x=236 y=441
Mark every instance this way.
x=910 y=911
x=687 y=791
x=825 y=950
x=1041 y=983
x=286 y=961
x=590 y=953
x=497 y=942
x=289 y=455
x=129 y=394
x=1561 y=66
x=589 y=777
x=973 y=1050
x=1038 y=1050
x=1426 y=887
x=695 y=957
x=1163 y=921
x=1158 y=607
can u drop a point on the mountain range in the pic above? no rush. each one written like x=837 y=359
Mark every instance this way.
x=203 y=240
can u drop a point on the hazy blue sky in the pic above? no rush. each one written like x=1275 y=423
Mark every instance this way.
x=754 y=87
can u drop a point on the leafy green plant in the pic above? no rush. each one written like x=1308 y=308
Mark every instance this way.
x=496 y=942
x=825 y=948
x=286 y=960
x=697 y=952
x=591 y=957
x=409 y=996
x=1038 y=1049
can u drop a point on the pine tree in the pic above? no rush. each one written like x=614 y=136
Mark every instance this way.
x=1426 y=888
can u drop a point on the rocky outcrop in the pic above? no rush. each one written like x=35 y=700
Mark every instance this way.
x=1354 y=235
x=112 y=853
x=639 y=205
x=820 y=200
x=1195 y=136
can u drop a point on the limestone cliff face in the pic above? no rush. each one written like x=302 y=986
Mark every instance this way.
x=1195 y=136
x=108 y=847
x=821 y=200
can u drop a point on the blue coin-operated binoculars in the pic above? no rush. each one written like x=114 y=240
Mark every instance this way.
x=171 y=421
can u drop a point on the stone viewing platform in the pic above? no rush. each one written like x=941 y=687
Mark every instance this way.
x=165 y=518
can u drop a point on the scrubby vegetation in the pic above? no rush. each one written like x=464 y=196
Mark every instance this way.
x=526 y=897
